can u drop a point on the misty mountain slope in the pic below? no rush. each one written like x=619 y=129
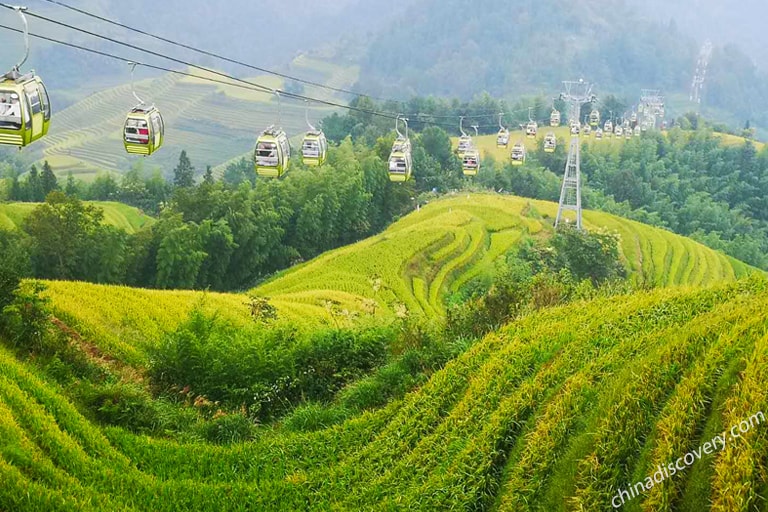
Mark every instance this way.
x=445 y=48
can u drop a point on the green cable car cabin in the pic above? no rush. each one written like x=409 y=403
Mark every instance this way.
x=550 y=142
x=400 y=163
x=272 y=155
x=144 y=130
x=518 y=154
x=25 y=109
x=314 y=148
x=470 y=163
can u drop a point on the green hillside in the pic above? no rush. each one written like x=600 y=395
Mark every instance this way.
x=119 y=215
x=487 y=143
x=418 y=260
x=432 y=252
x=557 y=411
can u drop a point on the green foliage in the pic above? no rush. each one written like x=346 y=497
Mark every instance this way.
x=69 y=241
x=26 y=319
x=229 y=429
x=571 y=265
x=16 y=264
x=588 y=255
x=124 y=405
x=264 y=370
x=184 y=173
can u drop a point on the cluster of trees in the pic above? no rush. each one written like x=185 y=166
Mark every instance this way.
x=537 y=274
x=690 y=183
x=225 y=234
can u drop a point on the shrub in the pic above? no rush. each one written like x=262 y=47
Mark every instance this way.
x=228 y=429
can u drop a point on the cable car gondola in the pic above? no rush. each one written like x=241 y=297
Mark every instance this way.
x=518 y=154
x=400 y=160
x=25 y=109
x=586 y=130
x=470 y=162
x=638 y=131
x=272 y=156
x=575 y=127
x=314 y=147
x=550 y=142
x=618 y=131
x=608 y=128
x=144 y=129
x=532 y=128
x=599 y=134
x=502 y=139
x=594 y=118
x=554 y=118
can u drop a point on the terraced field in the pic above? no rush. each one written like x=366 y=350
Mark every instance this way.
x=441 y=247
x=417 y=262
x=558 y=411
x=120 y=215
x=213 y=123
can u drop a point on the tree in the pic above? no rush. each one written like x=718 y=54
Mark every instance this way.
x=16 y=264
x=103 y=188
x=180 y=253
x=60 y=230
x=35 y=192
x=208 y=176
x=48 y=180
x=71 y=188
x=184 y=173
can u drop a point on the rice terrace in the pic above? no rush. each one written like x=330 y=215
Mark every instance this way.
x=437 y=256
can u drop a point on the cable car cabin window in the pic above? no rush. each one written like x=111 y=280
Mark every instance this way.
x=46 y=101
x=10 y=110
x=156 y=126
x=161 y=122
x=34 y=98
x=286 y=147
x=266 y=154
x=397 y=165
x=136 y=131
x=311 y=148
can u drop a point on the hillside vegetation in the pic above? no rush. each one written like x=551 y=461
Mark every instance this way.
x=487 y=143
x=557 y=411
x=417 y=263
x=119 y=215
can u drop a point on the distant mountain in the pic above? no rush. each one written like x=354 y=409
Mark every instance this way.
x=740 y=23
x=455 y=48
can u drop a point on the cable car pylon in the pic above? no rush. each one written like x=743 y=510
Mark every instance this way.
x=575 y=94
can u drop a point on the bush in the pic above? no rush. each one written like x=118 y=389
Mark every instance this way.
x=228 y=429
x=26 y=320
x=313 y=417
x=267 y=370
x=124 y=405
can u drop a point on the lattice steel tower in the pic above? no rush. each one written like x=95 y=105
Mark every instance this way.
x=701 y=72
x=575 y=94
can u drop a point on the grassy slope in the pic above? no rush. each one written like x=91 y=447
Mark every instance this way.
x=553 y=412
x=420 y=260
x=429 y=253
x=487 y=143
x=120 y=215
